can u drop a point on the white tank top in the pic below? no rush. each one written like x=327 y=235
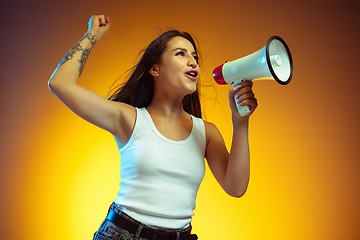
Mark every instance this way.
x=160 y=177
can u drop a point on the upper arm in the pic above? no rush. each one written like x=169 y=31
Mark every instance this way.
x=216 y=153
x=115 y=117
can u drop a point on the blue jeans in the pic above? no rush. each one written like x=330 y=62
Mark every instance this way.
x=110 y=231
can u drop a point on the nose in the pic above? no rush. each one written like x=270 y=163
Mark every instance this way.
x=192 y=62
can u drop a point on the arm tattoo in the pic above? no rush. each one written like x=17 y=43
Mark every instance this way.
x=71 y=53
x=83 y=59
x=77 y=48
x=91 y=37
x=86 y=51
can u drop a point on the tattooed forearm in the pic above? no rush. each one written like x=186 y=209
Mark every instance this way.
x=77 y=48
x=83 y=59
x=71 y=53
x=86 y=51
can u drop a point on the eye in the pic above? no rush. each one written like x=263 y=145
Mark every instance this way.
x=196 y=58
x=181 y=53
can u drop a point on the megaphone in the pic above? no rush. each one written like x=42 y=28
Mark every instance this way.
x=273 y=60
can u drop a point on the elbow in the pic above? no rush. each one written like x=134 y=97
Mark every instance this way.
x=238 y=194
x=235 y=187
x=54 y=83
x=50 y=85
x=53 y=86
x=51 y=82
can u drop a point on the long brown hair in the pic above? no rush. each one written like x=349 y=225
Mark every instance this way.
x=138 y=90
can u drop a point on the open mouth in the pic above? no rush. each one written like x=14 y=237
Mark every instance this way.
x=192 y=73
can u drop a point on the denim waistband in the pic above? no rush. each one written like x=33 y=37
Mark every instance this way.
x=116 y=215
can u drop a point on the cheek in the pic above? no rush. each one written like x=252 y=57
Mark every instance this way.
x=173 y=68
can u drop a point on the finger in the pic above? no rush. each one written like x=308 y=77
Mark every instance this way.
x=246 y=83
x=252 y=103
x=107 y=24
x=95 y=19
x=233 y=91
x=243 y=91
x=101 y=19
x=244 y=97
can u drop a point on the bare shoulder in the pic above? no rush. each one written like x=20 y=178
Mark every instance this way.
x=216 y=150
x=211 y=130
x=209 y=126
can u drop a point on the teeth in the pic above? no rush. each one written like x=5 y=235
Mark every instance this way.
x=192 y=74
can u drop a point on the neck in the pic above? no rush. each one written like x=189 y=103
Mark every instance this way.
x=169 y=108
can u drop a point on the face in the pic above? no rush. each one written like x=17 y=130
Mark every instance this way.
x=178 y=71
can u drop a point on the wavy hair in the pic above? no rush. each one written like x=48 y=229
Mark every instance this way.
x=138 y=90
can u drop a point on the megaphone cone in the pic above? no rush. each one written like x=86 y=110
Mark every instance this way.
x=273 y=60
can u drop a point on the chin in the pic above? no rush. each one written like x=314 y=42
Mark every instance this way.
x=192 y=88
x=191 y=91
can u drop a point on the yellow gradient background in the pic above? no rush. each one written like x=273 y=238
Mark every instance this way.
x=59 y=174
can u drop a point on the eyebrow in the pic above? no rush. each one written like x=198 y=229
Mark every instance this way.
x=184 y=49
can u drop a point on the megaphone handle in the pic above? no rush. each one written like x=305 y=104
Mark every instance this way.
x=243 y=110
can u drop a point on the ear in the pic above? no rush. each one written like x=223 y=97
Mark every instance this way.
x=154 y=71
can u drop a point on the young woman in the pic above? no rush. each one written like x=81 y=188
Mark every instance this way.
x=156 y=120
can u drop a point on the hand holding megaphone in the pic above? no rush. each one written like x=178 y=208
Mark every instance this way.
x=273 y=60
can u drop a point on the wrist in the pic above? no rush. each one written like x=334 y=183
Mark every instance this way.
x=91 y=36
x=239 y=121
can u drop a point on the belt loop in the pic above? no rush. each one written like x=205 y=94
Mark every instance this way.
x=177 y=235
x=138 y=232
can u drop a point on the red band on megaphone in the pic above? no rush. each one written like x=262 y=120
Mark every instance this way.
x=218 y=76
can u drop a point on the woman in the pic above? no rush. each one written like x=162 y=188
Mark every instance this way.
x=156 y=120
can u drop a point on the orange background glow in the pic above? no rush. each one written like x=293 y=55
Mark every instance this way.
x=59 y=174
